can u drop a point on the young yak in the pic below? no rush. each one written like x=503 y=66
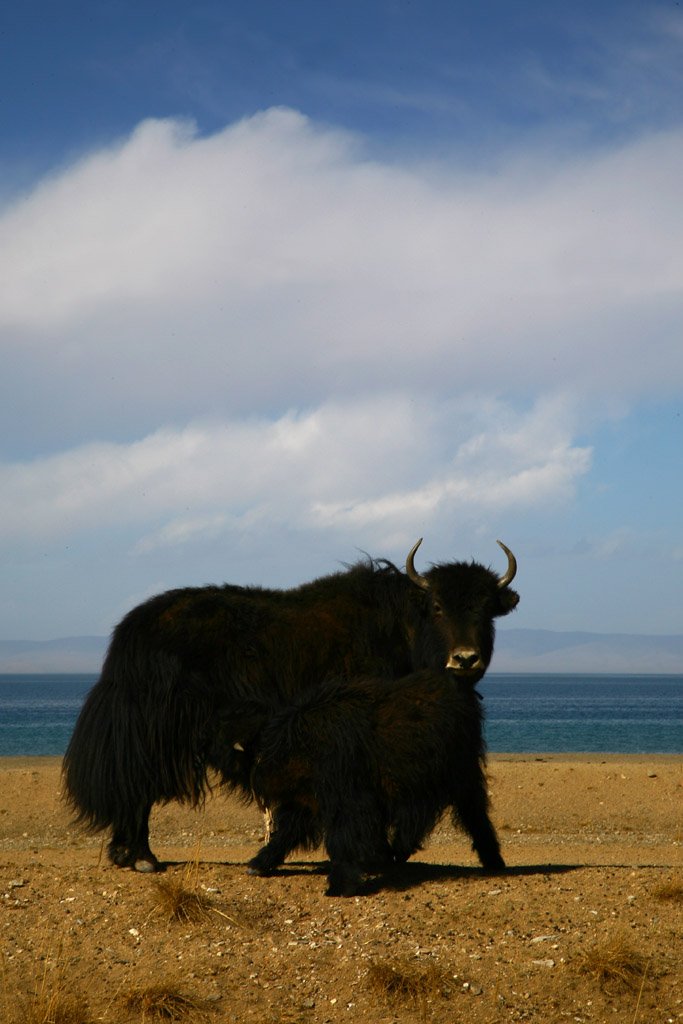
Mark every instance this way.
x=369 y=769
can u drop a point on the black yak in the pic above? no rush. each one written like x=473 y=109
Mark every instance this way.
x=369 y=767
x=178 y=664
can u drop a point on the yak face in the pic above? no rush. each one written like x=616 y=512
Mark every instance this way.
x=463 y=599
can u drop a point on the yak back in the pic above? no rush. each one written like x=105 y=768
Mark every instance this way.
x=247 y=639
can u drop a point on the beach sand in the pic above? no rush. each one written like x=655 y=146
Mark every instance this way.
x=595 y=869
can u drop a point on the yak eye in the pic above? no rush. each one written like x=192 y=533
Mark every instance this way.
x=436 y=608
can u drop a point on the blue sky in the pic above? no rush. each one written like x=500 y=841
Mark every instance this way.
x=280 y=283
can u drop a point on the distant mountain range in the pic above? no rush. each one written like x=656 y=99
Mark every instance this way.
x=541 y=650
x=69 y=654
x=517 y=650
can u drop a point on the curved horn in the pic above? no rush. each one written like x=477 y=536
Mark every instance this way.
x=509 y=576
x=410 y=569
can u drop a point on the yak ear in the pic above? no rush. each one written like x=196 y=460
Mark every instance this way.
x=508 y=601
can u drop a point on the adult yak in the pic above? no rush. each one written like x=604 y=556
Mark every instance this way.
x=155 y=723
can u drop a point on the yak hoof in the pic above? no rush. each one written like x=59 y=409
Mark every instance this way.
x=494 y=866
x=346 y=891
x=343 y=883
x=146 y=866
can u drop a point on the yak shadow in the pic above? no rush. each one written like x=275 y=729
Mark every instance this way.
x=417 y=873
x=292 y=867
x=400 y=878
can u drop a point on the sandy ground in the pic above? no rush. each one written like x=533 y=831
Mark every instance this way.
x=593 y=847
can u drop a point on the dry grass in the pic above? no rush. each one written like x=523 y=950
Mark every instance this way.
x=671 y=890
x=56 y=1008
x=161 y=1003
x=53 y=1000
x=400 y=983
x=177 y=902
x=615 y=965
x=180 y=899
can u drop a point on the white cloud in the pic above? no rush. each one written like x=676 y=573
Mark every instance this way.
x=275 y=264
x=390 y=464
x=604 y=548
x=513 y=462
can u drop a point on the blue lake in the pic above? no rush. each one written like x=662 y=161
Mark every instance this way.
x=524 y=713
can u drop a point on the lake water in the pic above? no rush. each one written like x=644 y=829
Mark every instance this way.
x=584 y=713
x=524 y=713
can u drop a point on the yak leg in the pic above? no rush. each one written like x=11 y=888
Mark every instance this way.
x=471 y=808
x=345 y=877
x=412 y=823
x=293 y=825
x=129 y=846
x=355 y=837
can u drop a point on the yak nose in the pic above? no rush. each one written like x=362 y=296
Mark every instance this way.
x=463 y=659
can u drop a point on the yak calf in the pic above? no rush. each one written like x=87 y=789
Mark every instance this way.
x=368 y=767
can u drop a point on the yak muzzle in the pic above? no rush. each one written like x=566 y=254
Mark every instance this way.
x=465 y=660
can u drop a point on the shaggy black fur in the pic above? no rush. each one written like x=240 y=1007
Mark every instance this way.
x=370 y=767
x=181 y=662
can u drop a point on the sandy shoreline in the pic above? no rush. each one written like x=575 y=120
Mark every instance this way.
x=623 y=807
x=591 y=842
x=25 y=761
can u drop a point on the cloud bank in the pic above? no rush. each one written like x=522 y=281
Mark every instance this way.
x=276 y=264
x=270 y=332
x=384 y=468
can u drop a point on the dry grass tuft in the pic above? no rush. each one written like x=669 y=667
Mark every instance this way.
x=670 y=890
x=615 y=965
x=161 y=1003
x=56 y=1007
x=180 y=899
x=179 y=903
x=399 y=983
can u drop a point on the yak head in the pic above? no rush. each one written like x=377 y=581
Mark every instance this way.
x=462 y=601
